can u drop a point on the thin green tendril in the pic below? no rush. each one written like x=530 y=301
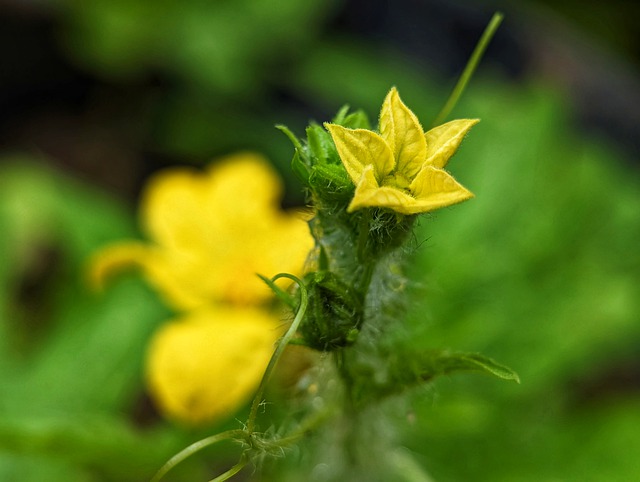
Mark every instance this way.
x=470 y=68
x=282 y=344
x=196 y=447
x=244 y=460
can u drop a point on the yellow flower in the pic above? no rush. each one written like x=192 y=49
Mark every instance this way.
x=401 y=168
x=212 y=231
x=205 y=364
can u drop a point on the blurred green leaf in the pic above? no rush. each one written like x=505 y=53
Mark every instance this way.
x=218 y=46
x=105 y=444
x=71 y=360
x=434 y=364
x=541 y=271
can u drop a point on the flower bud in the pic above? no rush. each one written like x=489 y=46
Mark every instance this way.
x=334 y=313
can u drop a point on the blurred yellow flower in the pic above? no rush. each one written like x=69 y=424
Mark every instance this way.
x=205 y=364
x=212 y=232
x=401 y=168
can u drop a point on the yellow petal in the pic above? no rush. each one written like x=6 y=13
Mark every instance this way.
x=166 y=270
x=183 y=207
x=281 y=246
x=370 y=194
x=216 y=229
x=359 y=148
x=402 y=131
x=204 y=366
x=178 y=277
x=242 y=187
x=172 y=200
x=443 y=141
x=434 y=188
x=114 y=260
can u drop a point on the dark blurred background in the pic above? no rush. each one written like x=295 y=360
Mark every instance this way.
x=113 y=90
x=541 y=270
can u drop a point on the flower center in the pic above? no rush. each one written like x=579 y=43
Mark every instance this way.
x=397 y=180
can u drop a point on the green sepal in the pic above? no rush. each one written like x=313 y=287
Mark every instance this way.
x=292 y=137
x=357 y=120
x=341 y=115
x=300 y=168
x=320 y=145
x=330 y=179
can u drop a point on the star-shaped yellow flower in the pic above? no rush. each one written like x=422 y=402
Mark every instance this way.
x=401 y=168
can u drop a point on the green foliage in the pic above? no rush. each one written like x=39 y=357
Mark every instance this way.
x=541 y=271
x=432 y=364
x=70 y=361
x=223 y=45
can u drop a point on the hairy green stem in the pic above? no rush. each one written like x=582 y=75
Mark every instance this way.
x=365 y=258
x=363 y=235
